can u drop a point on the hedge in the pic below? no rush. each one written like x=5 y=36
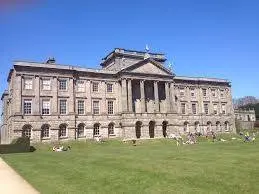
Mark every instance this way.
x=19 y=145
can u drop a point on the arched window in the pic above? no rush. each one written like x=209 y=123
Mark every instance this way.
x=96 y=129
x=63 y=130
x=218 y=126
x=209 y=126
x=164 y=126
x=45 y=131
x=226 y=126
x=186 y=126
x=111 y=129
x=152 y=129
x=138 y=126
x=26 y=131
x=197 y=126
x=81 y=130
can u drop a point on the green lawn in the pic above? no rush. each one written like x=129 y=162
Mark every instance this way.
x=156 y=166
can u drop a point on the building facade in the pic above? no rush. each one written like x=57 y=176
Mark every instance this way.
x=133 y=95
x=245 y=119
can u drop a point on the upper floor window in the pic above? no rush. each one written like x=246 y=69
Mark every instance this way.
x=95 y=86
x=213 y=93
x=206 y=108
x=183 y=111
x=194 y=109
x=27 y=106
x=45 y=107
x=110 y=107
x=222 y=93
x=96 y=107
x=215 y=109
x=63 y=84
x=223 y=108
x=80 y=86
x=204 y=92
x=28 y=83
x=109 y=87
x=63 y=106
x=192 y=93
x=182 y=92
x=46 y=84
x=80 y=107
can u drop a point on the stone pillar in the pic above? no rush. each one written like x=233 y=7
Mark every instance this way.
x=37 y=102
x=54 y=100
x=142 y=96
x=129 y=95
x=167 y=96
x=156 y=96
x=124 y=95
x=172 y=98
x=71 y=100
x=17 y=104
x=88 y=108
x=159 y=131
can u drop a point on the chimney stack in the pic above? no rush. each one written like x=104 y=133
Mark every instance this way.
x=51 y=60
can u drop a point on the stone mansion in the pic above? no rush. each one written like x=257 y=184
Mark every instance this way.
x=133 y=95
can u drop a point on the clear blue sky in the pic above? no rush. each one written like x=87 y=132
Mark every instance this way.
x=204 y=38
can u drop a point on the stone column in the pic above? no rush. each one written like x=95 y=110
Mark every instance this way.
x=37 y=102
x=17 y=105
x=54 y=93
x=172 y=98
x=124 y=95
x=142 y=96
x=156 y=96
x=167 y=96
x=71 y=100
x=129 y=95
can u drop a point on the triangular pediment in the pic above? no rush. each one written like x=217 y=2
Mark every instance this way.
x=148 y=66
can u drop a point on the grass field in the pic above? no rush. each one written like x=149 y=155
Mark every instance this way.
x=153 y=166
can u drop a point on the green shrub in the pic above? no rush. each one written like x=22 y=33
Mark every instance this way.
x=21 y=144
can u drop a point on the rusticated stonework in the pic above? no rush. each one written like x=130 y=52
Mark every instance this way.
x=133 y=95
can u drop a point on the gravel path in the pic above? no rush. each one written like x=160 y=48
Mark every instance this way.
x=13 y=183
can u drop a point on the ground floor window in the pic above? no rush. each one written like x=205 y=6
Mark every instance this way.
x=96 y=129
x=111 y=129
x=80 y=130
x=63 y=130
x=26 y=131
x=45 y=131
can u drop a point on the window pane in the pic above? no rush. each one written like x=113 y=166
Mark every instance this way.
x=95 y=86
x=46 y=84
x=194 y=111
x=63 y=106
x=183 y=108
x=80 y=107
x=27 y=106
x=63 y=84
x=204 y=92
x=28 y=83
x=45 y=107
x=96 y=129
x=109 y=87
x=206 y=109
x=80 y=86
x=96 y=107
x=110 y=107
x=111 y=129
